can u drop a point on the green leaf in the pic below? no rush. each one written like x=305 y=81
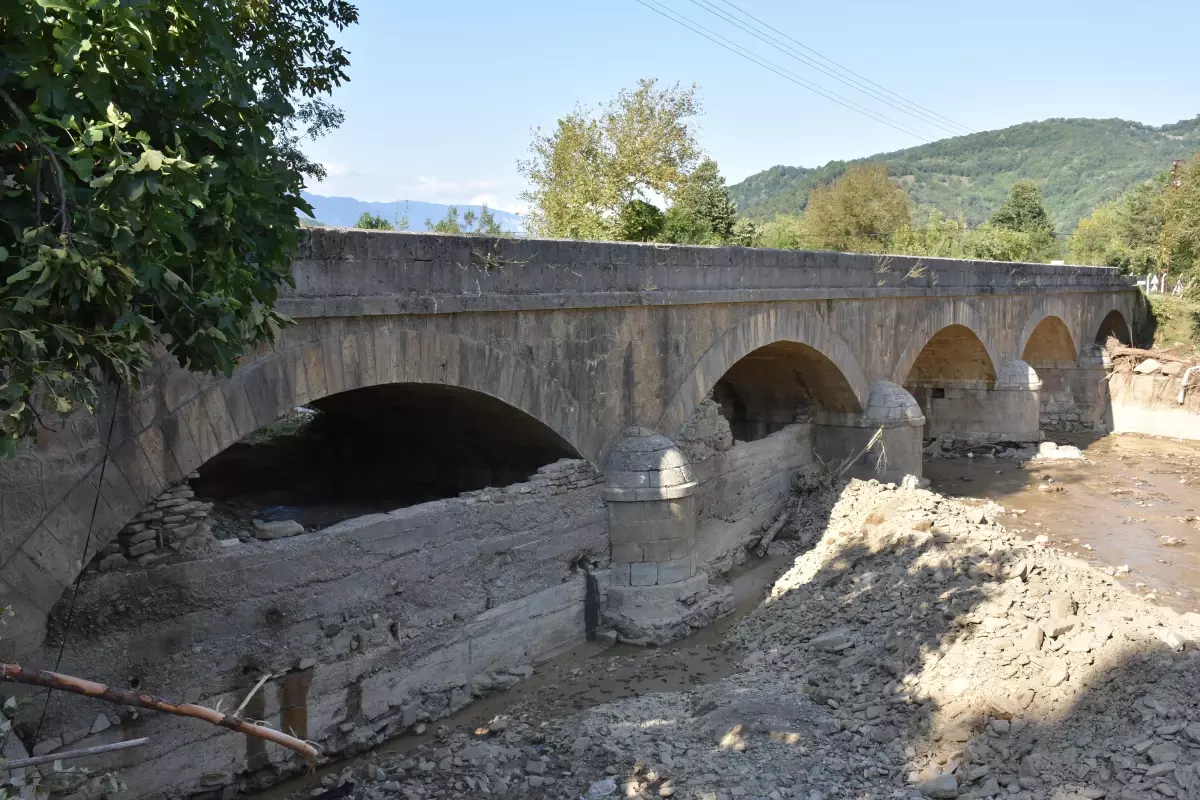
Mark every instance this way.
x=151 y=159
x=63 y=405
x=3 y=254
x=114 y=116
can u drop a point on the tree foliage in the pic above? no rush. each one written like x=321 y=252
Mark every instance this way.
x=859 y=212
x=702 y=212
x=1022 y=213
x=637 y=146
x=483 y=224
x=149 y=181
x=1181 y=218
x=374 y=222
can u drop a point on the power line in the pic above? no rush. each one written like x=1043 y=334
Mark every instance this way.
x=846 y=70
x=716 y=38
x=904 y=106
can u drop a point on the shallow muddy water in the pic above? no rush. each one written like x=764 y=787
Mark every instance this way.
x=1134 y=501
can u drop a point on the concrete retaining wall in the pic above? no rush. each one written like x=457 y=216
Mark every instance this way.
x=375 y=624
x=1149 y=404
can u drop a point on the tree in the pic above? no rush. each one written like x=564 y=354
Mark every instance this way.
x=859 y=212
x=639 y=221
x=483 y=225
x=1023 y=213
x=149 y=181
x=702 y=213
x=939 y=237
x=373 y=222
x=785 y=232
x=587 y=170
x=1181 y=214
x=1126 y=232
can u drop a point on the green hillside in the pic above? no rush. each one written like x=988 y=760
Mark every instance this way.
x=1077 y=163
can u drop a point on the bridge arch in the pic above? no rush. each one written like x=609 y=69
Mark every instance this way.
x=789 y=341
x=1113 y=324
x=1064 y=318
x=963 y=319
x=1049 y=342
x=180 y=421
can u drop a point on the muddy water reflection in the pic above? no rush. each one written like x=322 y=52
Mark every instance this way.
x=1131 y=496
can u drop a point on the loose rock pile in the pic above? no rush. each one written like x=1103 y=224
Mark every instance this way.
x=173 y=521
x=916 y=650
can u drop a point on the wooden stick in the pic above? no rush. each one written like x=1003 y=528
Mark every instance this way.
x=124 y=697
x=253 y=692
x=70 y=755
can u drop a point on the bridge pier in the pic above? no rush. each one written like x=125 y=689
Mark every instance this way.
x=891 y=409
x=1075 y=394
x=980 y=411
x=656 y=593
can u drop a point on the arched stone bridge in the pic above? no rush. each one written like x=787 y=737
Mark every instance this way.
x=590 y=339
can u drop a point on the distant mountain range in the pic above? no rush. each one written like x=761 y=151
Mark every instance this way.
x=1077 y=163
x=343 y=212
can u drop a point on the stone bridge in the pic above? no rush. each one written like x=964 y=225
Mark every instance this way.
x=642 y=360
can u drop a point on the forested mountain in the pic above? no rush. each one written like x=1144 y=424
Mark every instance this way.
x=1077 y=164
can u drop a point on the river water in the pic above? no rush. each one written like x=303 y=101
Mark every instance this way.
x=1134 y=501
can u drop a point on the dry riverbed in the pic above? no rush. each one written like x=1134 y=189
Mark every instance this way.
x=916 y=649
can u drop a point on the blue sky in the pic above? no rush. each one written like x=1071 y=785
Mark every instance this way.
x=443 y=95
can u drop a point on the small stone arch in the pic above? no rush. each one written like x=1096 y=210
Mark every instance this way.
x=952 y=314
x=181 y=420
x=1050 y=341
x=1053 y=308
x=773 y=328
x=1115 y=324
x=956 y=353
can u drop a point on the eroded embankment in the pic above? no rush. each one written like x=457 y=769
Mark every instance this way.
x=917 y=649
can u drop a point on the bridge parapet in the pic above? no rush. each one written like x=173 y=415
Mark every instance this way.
x=354 y=273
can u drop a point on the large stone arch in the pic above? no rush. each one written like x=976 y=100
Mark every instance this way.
x=947 y=315
x=752 y=333
x=1053 y=308
x=179 y=420
x=1110 y=316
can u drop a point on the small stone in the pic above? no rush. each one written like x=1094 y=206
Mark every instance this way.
x=832 y=641
x=1032 y=638
x=943 y=786
x=1055 y=627
x=524 y=672
x=535 y=767
x=141 y=548
x=101 y=723
x=278 y=529
x=1158 y=770
x=1164 y=752
x=112 y=562
x=1171 y=639
x=47 y=746
x=1056 y=674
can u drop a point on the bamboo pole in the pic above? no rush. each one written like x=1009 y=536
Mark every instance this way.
x=71 y=755
x=67 y=683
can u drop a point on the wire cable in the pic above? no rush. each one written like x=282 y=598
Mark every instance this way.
x=928 y=118
x=845 y=69
x=62 y=645
x=716 y=38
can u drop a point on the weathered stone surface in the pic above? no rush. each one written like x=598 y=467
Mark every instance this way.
x=280 y=529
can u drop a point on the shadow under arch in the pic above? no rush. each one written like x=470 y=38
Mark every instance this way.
x=794 y=342
x=1070 y=316
x=384 y=447
x=1114 y=325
